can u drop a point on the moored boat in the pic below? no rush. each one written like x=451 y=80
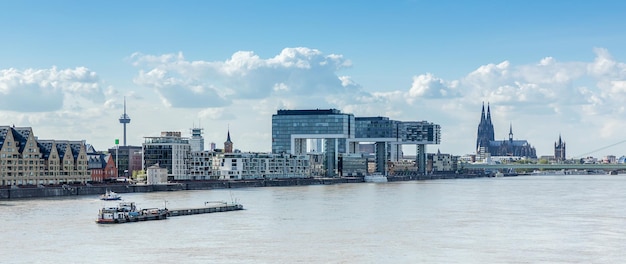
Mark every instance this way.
x=110 y=196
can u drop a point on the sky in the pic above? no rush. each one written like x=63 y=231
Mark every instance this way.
x=546 y=68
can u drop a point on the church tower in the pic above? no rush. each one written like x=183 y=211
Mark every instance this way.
x=559 y=150
x=228 y=145
x=485 y=130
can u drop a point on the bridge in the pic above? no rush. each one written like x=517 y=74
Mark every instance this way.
x=478 y=166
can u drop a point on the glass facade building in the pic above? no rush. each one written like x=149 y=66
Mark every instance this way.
x=342 y=133
x=292 y=128
x=170 y=151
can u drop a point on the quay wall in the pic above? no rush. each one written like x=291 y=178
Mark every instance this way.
x=73 y=190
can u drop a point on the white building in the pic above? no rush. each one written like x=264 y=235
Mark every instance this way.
x=206 y=165
x=156 y=175
x=197 y=141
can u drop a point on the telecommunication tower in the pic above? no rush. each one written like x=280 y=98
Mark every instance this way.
x=124 y=119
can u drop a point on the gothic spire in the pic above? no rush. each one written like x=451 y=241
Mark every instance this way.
x=482 y=114
x=488 y=113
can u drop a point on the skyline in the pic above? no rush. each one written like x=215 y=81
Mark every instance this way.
x=547 y=69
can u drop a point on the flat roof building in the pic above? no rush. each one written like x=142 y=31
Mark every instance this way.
x=170 y=151
x=342 y=133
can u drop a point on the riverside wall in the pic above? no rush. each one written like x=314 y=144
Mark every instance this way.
x=74 y=190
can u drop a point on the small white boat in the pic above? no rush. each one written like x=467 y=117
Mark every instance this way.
x=110 y=196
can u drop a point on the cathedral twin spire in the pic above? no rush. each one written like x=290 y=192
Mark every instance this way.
x=485 y=141
x=485 y=128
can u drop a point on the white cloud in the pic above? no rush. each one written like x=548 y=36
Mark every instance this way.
x=582 y=100
x=429 y=86
x=294 y=72
x=40 y=90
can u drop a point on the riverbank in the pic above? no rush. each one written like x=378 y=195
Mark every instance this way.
x=90 y=189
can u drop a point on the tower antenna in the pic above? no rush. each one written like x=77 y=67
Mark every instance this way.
x=124 y=119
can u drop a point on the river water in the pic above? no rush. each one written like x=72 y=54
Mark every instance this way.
x=525 y=219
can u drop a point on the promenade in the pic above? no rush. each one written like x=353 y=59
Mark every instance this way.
x=79 y=189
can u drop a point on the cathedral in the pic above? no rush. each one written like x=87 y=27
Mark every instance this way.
x=486 y=143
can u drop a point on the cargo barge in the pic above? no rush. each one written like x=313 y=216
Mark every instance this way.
x=127 y=212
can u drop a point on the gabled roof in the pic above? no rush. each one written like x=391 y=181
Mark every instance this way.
x=90 y=149
x=20 y=135
x=75 y=146
x=4 y=130
x=45 y=146
x=62 y=148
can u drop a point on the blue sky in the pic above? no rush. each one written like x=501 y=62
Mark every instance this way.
x=546 y=67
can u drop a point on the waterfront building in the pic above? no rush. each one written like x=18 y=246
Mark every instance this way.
x=343 y=133
x=404 y=167
x=292 y=128
x=156 y=175
x=101 y=166
x=204 y=165
x=127 y=159
x=486 y=145
x=559 y=150
x=26 y=160
x=389 y=136
x=442 y=162
x=208 y=165
x=170 y=151
x=353 y=165
x=243 y=166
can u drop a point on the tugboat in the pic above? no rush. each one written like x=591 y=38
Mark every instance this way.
x=127 y=212
x=110 y=196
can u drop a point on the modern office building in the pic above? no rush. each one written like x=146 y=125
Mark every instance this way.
x=127 y=159
x=388 y=137
x=170 y=151
x=26 y=160
x=342 y=133
x=208 y=165
x=204 y=165
x=292 y=128
x=244 y=166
